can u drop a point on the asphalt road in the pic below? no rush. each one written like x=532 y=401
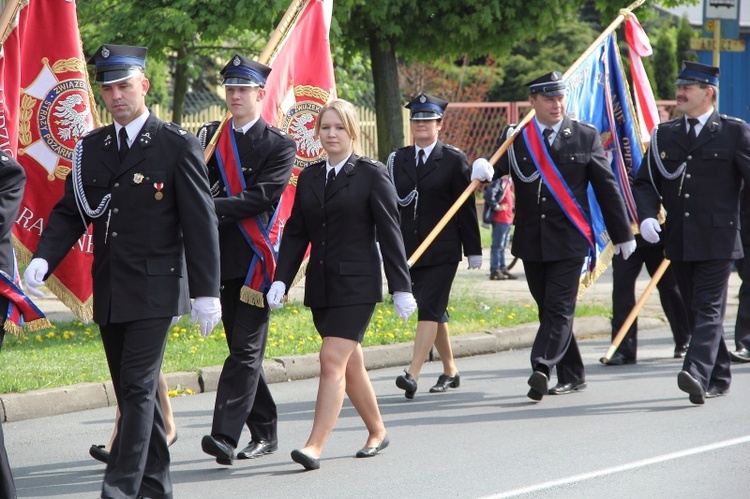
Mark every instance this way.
x=632 y=433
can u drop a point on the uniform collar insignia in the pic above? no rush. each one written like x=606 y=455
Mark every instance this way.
x=566 y=132
x=107 y=140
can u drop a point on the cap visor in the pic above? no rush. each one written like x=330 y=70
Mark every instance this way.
x=240 y=82
x=109 y=77
x=422 y=115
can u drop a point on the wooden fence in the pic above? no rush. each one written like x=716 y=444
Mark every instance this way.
x=473 y=127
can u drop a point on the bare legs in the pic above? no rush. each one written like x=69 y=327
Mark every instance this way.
x=342 y=370
x=166 y=407
x=428 y=334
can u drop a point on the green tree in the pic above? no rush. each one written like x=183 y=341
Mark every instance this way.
x=665 y=64
x=684 y=33
x=183 y=33
x=426 y=31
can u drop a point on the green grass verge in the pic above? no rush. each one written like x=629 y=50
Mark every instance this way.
x=71 y=352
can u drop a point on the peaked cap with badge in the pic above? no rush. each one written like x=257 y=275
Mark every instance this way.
x=427 y=107
x=550 y=84
x=243 y=72
x=118 y=62
x=694 y=72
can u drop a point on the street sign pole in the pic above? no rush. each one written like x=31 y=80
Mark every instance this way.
x=717 y=42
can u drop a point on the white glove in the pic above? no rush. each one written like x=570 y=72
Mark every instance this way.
x=34 y=276
x=650 y=230
x=275 y=295
x=404 y=303
x=475 y=262
x=483 y=170
x=626 y=249
x=206 y=312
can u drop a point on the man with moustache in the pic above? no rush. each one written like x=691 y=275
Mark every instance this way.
x=695 y=166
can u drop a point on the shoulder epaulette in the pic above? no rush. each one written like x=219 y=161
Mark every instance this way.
x=176 y=129
x=733 y=118
x=583 y=123
x=453 y=148
x=277 y=131
x=93 y=132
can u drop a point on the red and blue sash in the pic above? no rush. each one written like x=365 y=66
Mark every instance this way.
x=261 y=238
x=558 y=187
x=21 y=313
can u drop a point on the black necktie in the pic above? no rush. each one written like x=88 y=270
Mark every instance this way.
x=123 y=134
x=691 y=132
x=420 y=161
x=329 y=180
x=547 y=132
x=238 y=134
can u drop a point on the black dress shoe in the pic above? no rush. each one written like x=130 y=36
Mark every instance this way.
x=688 y=384
x=371 y=451
x=407 y=383
x=98 y=453
x=619 y=359
x=742 y=355
x=218 y=447
x=680 y=352
x=565 y=388
x=714 y=391
x=258 y=449
x=308 y=462
x=508 y=275
x=538 y=381
x=444 y=382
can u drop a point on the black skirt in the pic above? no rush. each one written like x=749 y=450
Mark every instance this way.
x=431 y=287
x=349 y=322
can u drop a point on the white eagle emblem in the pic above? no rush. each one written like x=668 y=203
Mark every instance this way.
x=71 y=124
x=305 y=136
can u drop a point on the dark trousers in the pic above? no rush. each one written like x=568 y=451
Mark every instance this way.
x=7 y=486
x=624 y=276
x=243 y=397
x=139 y=459
x=742 y=325
x=704 y=288
x=554 y=286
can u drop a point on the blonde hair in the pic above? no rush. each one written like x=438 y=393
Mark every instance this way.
x=348 y=115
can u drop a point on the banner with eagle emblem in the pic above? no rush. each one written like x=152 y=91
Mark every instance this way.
x=45 y=111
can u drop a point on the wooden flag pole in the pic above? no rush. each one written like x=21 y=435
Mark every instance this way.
x=624 y=13
x=633 y=315
x=287 y=21
x=6 y=17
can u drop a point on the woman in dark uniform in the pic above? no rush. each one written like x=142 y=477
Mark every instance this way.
x=340 y=205
x=429 y=176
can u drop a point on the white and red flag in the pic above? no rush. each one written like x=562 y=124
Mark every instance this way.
x=645 y=104
x=45 y=110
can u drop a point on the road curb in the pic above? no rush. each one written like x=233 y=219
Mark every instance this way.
x=83 y=396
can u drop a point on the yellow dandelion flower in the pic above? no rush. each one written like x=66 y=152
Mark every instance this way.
x=39 y=338
x=390 y=335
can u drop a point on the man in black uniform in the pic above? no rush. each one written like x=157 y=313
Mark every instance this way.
x=741 y=353
x=143 y=185
x=695 y=166
x=12 y=179
x=552 y=241
x=624 y=276
x=249 y=171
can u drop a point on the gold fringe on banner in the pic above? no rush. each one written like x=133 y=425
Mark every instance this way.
x=251 y=297
x=36 y=325
x=83 y=310
x=602 y=262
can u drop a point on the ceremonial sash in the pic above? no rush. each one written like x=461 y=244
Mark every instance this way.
x=21 y=313
x=261 y=238
x=558 y=187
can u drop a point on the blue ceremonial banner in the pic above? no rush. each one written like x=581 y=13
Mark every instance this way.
x=598 y=93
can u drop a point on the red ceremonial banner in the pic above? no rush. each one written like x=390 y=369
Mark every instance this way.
x=45 y=111
x=300 y=83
